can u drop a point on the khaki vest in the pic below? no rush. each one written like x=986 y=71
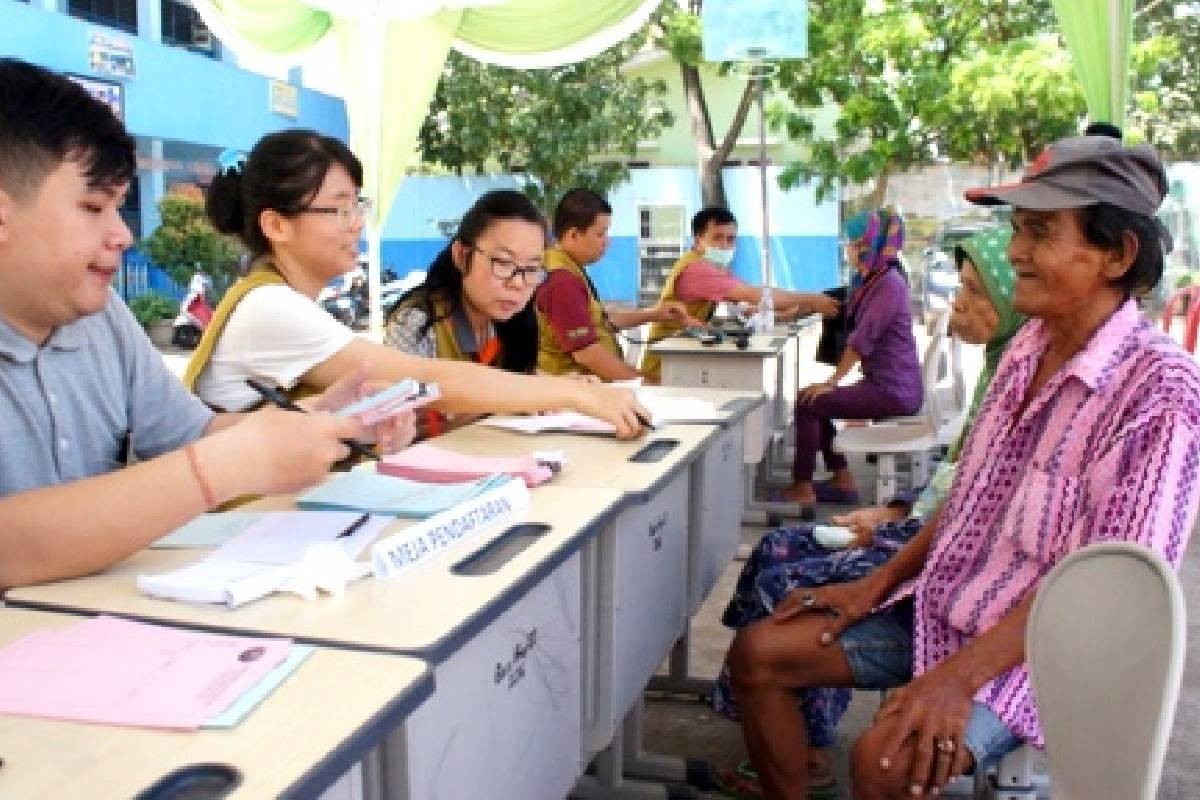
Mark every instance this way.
x=651 y=365
x=445 y=338
x=551 y=358
x=263 y=273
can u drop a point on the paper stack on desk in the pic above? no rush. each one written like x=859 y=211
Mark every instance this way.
x=296 y=551
x=431 y=464
x=665 y=409
x=120 y=672
x=360 y=490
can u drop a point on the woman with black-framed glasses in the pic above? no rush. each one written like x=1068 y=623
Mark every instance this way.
x=475 y=303
x=295 y=202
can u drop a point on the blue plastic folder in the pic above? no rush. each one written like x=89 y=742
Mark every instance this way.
x=360 y=490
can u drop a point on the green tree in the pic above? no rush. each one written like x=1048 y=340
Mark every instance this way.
x=904 y=75
x=1166 y=80
x=574 y=125
x=185 y=242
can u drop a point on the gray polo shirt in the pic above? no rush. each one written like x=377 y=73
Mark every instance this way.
x=96 y=390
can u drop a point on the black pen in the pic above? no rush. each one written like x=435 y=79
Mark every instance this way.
x=278 y=398
x=353 y=527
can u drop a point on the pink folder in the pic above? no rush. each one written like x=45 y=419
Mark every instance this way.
x=119 y=672
x=429 y=464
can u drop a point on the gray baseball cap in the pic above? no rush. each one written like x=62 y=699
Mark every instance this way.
x=1084 y=171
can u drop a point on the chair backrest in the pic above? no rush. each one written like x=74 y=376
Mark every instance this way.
x=937 y=369
x=1105 y=645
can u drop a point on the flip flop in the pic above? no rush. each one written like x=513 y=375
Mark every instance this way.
x=833 y=494
x=822 y=789
x=731 y=783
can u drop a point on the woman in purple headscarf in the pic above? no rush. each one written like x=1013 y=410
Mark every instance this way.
x=881 y=340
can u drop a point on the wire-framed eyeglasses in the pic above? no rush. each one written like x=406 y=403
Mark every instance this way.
x=348 y=215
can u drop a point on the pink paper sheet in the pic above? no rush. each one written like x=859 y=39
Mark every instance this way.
x=119 y=672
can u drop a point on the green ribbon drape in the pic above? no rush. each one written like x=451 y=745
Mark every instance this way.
x=391 y=62
x=1098 y=34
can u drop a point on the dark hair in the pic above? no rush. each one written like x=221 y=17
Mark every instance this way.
x=283 y=172
x=712 y=215
x=1103 y=129
x=1104 y=226
x=46 y=119
x=518 y=335
x=577 y=210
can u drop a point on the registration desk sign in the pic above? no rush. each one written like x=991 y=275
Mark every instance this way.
x=493 y=510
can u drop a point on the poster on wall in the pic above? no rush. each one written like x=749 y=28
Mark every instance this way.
x=111 y=55
x=111 y=93
x=743 y=30
x=285 y=99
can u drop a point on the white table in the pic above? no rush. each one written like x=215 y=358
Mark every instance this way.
x=637 y=583
x=505 y=648
x=321 y=721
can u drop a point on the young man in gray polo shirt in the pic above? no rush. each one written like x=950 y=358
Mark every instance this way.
x=81 y=388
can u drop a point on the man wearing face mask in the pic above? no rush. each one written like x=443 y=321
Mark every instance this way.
x=701 y=278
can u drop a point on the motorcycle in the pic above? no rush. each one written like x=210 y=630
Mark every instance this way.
x=195 y=312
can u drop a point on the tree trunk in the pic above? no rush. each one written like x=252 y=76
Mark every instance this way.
x=710 y=157
x=881 y=185
x=712 y=186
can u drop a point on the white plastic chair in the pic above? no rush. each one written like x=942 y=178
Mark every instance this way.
x=918 y=435
x=1105 y=645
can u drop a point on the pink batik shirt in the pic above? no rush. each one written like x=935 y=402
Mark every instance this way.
x=1109 y=449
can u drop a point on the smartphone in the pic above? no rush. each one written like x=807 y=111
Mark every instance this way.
x=395 y=399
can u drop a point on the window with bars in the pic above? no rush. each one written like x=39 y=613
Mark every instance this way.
x=120 y=14
x=182 y=27
x=660 y=243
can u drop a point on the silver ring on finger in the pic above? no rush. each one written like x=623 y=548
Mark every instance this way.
x=947 y=746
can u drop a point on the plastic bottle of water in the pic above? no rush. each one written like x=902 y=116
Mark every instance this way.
x=766 y=311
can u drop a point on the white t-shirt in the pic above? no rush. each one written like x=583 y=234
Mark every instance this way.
x=275 y=334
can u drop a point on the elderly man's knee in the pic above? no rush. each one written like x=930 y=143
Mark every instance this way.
x=870 y=780
x=749 y=656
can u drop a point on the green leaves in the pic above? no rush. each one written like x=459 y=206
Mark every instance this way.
x=185 y=242
x=574 y=125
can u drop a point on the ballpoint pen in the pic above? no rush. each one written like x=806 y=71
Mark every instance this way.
x=278 y=398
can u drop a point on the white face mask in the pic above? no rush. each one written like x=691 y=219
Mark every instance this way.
x=719 y=256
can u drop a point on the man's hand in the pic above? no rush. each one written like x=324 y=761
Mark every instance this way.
x=673 y=311
x=933 y=711
x=273 y=451
x=823 y=304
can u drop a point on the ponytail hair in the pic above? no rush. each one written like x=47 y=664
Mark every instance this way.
x=283 y=172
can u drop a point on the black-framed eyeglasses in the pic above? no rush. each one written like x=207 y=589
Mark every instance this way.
x=347 y=215
x=506 y=269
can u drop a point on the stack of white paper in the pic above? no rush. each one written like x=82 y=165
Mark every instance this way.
x=297 y=551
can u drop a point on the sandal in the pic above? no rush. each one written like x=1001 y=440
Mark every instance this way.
x=827 y=493
x=823 y=787
x=732 y=783
x=774 y=494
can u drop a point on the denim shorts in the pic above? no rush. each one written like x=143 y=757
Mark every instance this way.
x=880 y=651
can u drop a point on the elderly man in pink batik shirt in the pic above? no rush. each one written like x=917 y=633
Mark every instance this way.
x=1090 y=431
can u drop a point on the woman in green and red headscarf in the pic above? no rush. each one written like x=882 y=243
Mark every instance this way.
x=881 y=340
